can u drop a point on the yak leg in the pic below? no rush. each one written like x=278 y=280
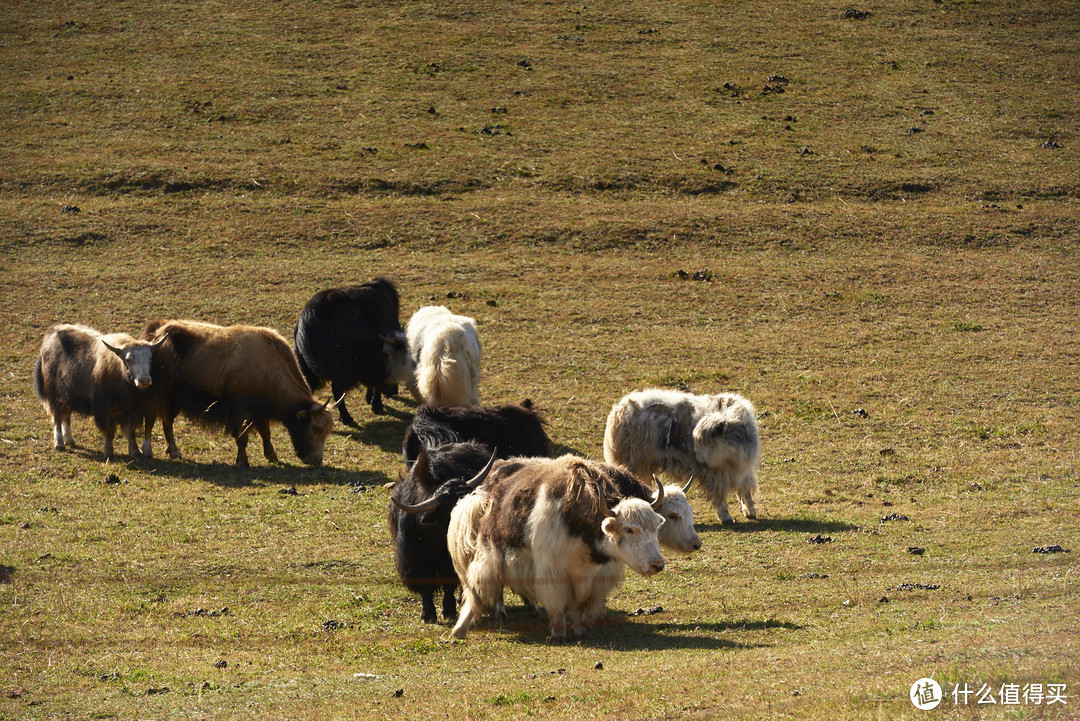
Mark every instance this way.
x=722 y=513
x=263 y=428
x=61 y=429
x=449 y=603
x=170 y=439
x=241 y=450
x=108 y=430
x=480 y=587
x=343 y=412
x=148 y=427
x=717 y=486
x=129 y=433
x=374 y=397
x=427 y=601
x=747 y=492
x=470 y=611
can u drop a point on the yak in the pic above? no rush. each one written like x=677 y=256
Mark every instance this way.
x=80 y=370
x=515 y=429
x=419 y=515
x=547 y=531
x=239 y=378
x=446 y=353
x=714 y=438
x=352 y=336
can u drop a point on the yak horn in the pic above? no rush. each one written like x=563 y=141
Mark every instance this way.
x=159 y=341
x=117 y=351
x=428 y=505
x=659 y=493
x=479 y=477
x=604 y=506
x=687 y=486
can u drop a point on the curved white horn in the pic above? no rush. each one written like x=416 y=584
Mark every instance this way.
x=418 y=508
x=604 y=506
x=115 y=350
x=687 y=486
x=659 y=493
x=479 y=477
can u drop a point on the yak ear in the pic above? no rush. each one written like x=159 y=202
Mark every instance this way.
x=611 y=527
x=303 y=414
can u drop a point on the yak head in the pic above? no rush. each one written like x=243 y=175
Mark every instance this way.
x=136 y=356
x=631 y=529
x=308 y=429
x=400 y=366
x=677 y=534
x=440 y=504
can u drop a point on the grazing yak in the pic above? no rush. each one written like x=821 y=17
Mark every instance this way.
x=548 y=532
x=419 y=515
x=239 y=378
x=713 y=438
x=105 y=376
x=446 y=352
x=352 y=336
x=515 y=429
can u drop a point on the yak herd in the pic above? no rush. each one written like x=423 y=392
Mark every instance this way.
x=481 y=504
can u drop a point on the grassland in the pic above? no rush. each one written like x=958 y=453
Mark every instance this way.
x=882 y=213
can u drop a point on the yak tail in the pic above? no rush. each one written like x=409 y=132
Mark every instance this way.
x=448 y=381
x=39 y=381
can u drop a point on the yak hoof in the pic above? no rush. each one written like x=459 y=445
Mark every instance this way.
x=728 y=522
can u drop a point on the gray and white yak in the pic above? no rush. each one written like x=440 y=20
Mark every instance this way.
x=713 y=438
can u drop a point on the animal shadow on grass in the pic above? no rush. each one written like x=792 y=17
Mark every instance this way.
x=229 y=476
x=625 y=632
x=788 y=525
x=386 y=431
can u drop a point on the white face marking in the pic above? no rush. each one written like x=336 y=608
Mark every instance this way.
x=677 y=534
x=136 y=359
x=634 y=531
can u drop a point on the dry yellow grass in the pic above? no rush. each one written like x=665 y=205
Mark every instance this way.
x=226 y=161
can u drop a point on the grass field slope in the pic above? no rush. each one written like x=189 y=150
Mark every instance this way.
x=862 y=217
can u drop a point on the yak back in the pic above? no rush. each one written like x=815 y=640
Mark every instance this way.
x=337 y=335
x=512 y=429
x=575 y=484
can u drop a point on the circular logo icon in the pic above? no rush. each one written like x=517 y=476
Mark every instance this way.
x=925 y=694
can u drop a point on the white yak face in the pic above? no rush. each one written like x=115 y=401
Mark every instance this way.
x=633 y=534
x=136 y=358
x=677 y=533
